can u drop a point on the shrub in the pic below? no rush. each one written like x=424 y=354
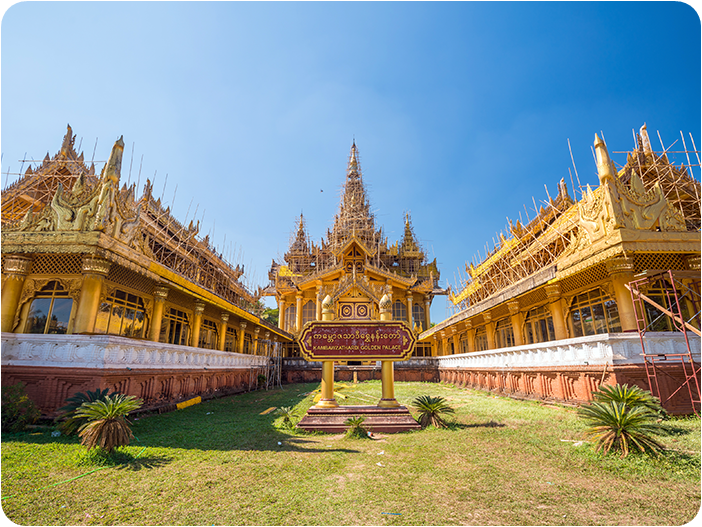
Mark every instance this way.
x=614 y=425
x=431 y=410
x=18 y=410
x=71 y=422
x=356 y=428
x=107 y=426
x=289 y=414
x=261 y=380
x=631 y=396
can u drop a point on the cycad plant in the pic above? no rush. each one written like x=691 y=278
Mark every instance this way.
x=631 y=396
x=355 y=427
x=614 y=425
x=289 y=415
x=106 y=423
x=71 y=423
x=431 y=410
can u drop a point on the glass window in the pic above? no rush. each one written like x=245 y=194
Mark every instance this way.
x=594 y=313
x=50 y=310
x=538 y=326
x=504 y=335
x=481 y=343
x=464 y=343
x=290 y=318
x=121 y=314
x=230 y=340
x=309 y=312
x=208 y=334
x=399 y=311
x=657 y=320
x=418 y=317
x=175 y=328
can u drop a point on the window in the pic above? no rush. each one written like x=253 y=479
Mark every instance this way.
x=208 y=335
x=248 y=343
x=290 y=318
x=230 y=340
x=504 y=335
x=538 y=326
x=418 y=317
x=175 y=328
x=593 y=313
x=399 y=311
x=481 y=343
x=656 y=320
x=422 y=350
x=50 y=310
x=464 y=343
x=121 y=314
x=309 y=312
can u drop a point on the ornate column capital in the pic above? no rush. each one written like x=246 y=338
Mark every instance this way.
x=553 y=292
x=95 y=265
x=225 y=317
x=513 y=307
x=160 y=293
x=267 y=335
x=327 y=305
x=487 y=317
x=257 y=330
x=469 y=325
x=620 y=264
x=199 y=308
x=17 y=265
x=242 y=325
x=693 y=262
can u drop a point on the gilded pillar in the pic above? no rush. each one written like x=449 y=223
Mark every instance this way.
x=281 y=314
x=456 y=341
x=387 y=372
x=470 y=336
x=223 y=332
x=242 y=328
x=409 y=310
x=555 y=306
x=256 y=351
x=94 y=271
x=489 y=330
x=427 y=316
x=517 y=320
x=160 y=295
x=298 y=312
x=197 y=321
x=16 y=269
x=318 y=313
x=621 y=272
x=327 y=400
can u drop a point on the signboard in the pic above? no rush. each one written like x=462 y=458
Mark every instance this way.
x=357 y=340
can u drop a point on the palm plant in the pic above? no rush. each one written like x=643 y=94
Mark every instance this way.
x=614 y=425
x=355 y=427
x=289 y=414
x=631 y=396
x=71 y=422
x=106 y=425
x=431 y=410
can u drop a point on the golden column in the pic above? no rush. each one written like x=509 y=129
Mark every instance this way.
x=427 y=316
x=318 y=314
x=256 y=351
x=223 y=332
x=160 y=295
x=455 y=337
x=517 y=319
x=16 y=269
x=555 y=306
x=240 y=344
x=197 y=322
x=298 y=312
x=470 y=336
x=489 y=330
x=387 y=371
x=327 y=400
x=409 y=310
x=281 y=314
x=94 y=272
x=621 y=272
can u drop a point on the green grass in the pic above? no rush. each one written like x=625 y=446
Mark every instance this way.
x=502 y=462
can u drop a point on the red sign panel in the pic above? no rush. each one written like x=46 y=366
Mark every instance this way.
x=372 y=340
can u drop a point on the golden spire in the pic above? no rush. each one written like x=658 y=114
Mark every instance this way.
x=605 y=167
x=113 y=168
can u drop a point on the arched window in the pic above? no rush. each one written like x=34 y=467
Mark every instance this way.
x=481 y=343
x=538 y=326
x=418 y=317
x=290 y=318
x=504 y=334
x=50 y=310
x=309 y=312
x=592 y=313
x=121 y=314
x=399 y=311
x=208 y=335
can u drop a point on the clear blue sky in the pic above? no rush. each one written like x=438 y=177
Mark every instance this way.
x=461 y=111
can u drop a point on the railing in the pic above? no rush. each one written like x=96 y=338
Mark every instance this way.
x=611 y=348
x=112 y=352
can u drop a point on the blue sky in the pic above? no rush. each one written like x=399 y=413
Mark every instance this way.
x=461 y=111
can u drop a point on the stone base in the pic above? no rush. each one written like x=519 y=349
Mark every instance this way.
x=385 y=420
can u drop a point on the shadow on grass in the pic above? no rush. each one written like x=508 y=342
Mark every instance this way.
x=670 y=430
x=486 y=424
x=145 y=463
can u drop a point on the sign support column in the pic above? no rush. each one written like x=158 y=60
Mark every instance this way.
x=327 y=400
x=387 y=372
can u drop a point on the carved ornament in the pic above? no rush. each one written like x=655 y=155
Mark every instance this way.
x=513 y=307
x=93 y=265
x=553 y=292
x=225 y=317
x=199 y=308
x=160 y=293
x=621 y=264
x=17 y=265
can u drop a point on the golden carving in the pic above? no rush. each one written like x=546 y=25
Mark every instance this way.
x=92 y=265
x=17 y=265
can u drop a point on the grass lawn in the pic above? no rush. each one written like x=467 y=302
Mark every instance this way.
x=504 y=462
